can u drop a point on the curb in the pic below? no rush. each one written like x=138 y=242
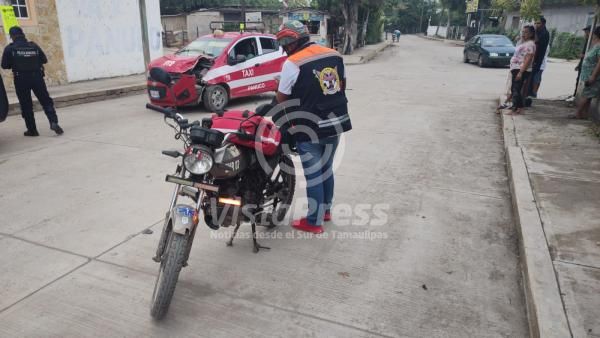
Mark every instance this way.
x=453 y=42
x=545 y=310
x=369 y=56
x=85 y=97
x=374 y=53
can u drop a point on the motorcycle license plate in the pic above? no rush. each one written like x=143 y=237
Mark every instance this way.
x=182 y=181
x=154 y=94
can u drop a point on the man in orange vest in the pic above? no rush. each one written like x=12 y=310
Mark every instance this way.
x=314 y=77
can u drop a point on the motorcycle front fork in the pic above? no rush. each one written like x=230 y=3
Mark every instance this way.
x=166 y=231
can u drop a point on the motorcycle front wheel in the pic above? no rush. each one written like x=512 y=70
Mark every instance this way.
x=168 y=273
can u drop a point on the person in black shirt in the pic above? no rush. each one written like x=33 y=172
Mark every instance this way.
x=26 y=59
x=542 y=40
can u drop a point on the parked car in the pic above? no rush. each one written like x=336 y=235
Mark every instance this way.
x=218 y=67
x=489 y=50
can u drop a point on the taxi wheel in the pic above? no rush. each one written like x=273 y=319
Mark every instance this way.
x=215 y=98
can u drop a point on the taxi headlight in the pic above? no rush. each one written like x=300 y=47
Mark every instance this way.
x=198 y=160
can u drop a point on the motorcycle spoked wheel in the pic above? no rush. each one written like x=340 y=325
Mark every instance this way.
x=168 y=274
x=282 y=201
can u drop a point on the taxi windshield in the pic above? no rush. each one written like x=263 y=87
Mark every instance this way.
x=205 y=46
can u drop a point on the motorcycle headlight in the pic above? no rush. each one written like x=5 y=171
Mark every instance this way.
x=198 y=160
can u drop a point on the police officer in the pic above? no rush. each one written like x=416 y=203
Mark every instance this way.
x=313 y=80
x=26 y=59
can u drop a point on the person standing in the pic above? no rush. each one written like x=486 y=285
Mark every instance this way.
x=586 y=32
x=542 y=40
x=27 y=59
x=590 y=76
x=397 y=33
x=521 y=67
x=314 y=77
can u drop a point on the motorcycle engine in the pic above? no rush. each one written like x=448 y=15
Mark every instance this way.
x=225 y=209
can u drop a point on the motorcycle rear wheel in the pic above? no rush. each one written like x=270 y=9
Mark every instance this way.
x=168 y=274
x=282 y=202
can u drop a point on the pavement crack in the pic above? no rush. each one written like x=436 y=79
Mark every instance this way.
x=578 y=264
x=44 y=245
x=276 y=307
x=130 y=237
x=46 y=285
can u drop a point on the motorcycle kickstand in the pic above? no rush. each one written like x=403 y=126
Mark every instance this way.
x=257 y=246
x=230 y=241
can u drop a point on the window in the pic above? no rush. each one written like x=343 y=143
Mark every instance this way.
x=268 y=45
x=246 y=48
x=313 y=26
x=20 y=8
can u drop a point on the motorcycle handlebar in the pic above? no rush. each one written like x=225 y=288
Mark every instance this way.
x=167 y=111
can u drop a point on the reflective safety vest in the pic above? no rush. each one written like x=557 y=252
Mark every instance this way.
x=323 y=105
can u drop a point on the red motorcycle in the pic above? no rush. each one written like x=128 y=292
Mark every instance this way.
x=233 y=170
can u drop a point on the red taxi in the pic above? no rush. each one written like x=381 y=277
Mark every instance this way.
x=218 y=67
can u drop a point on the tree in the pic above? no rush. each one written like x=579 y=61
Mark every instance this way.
x=531 y=9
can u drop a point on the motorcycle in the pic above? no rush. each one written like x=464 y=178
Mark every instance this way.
x=229 y=176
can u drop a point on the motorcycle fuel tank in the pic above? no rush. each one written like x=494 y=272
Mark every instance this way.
x=230 y=160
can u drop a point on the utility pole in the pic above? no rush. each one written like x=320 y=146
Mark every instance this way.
x=243 y=10
x=145 y=41
x=421 y=17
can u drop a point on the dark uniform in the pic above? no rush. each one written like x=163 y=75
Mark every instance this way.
x=320 y=92
x=26 y=59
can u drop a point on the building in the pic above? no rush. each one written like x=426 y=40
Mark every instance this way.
x=562 y=15
x=316 y=21
x=88 y=39
x=195 y=24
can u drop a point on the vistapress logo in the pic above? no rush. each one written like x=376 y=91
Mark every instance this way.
x=295 y=125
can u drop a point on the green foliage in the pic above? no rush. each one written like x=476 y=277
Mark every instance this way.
x=531 y=9
x=492 y=30
x=181 y=6
x=513 y=34
x=375 y=26
x=567 y=46
x=505 y=5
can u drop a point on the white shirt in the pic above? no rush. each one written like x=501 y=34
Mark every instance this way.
x=289 y=76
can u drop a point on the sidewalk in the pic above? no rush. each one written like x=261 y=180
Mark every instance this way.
x=435 y=38
x=366 y=53
x=554 y=167
x=85 y=92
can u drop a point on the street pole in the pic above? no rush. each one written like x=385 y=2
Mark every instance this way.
x=145 y=41
x=243 y=11
x=421 y=17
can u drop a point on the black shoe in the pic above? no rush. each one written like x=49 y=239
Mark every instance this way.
x=31 y=133
x=57 y=129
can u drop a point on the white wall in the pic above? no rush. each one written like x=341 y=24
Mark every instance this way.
x=103 y=38
x=198 y=23
x=441 y=32
x=569 y=19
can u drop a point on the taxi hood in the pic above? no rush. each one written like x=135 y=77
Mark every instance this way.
x=173 y=63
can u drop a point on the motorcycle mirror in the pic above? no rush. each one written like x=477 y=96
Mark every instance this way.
x=160 y=75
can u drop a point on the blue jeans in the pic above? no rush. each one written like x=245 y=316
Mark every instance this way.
x=317 y=162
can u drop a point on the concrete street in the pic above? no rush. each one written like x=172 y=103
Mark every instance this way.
x=426 y=149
